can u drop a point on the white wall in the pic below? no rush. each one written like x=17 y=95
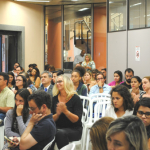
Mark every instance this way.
x=121 y=52
x=32 y=18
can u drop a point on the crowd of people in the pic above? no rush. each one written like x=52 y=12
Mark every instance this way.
x=37 y=108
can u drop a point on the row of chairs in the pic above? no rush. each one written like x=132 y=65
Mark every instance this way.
x=94 y=108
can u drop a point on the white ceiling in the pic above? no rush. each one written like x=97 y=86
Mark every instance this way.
x=63 y=2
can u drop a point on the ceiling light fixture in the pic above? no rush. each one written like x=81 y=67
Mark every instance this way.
x=40 y=1
x=83 y=9
x=110 y=2
x=74 y=0
x=135 y=4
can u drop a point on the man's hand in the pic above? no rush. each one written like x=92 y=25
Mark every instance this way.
x=100 y=83
x=36 y=118
x=19 y=110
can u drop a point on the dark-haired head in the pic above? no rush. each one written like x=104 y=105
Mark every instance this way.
x=24 y=94
x=24 y=82
x=37 y=74
x=59 y=72
x=139 y=80
x=129 y=70
x=40 y=98
x=126 y=95
x=10 y=74
x=5 y=77
x=120 y=75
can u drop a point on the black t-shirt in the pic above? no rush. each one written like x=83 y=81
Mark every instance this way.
x=74 y=105
x=125 y=84
x=43 y=132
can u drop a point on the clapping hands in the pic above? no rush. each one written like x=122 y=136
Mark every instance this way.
x=61 y=108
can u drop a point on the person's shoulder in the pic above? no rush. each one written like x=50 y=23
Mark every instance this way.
x=55 y=98
x=76 y=96
x=8 y=91
x=9 y=112
x=112 y=83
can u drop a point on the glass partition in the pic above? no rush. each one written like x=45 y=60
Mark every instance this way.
x=77 y=33
x=136 y=14
x=117 y=15
x=148 y=13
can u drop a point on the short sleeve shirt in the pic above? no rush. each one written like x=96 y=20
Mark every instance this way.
x=7 y=98
x=43 y=132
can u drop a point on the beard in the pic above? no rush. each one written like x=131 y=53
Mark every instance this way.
x=128 y=80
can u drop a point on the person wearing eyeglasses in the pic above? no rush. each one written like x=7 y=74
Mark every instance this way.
x=18 y=118
x=100 y=87
x=142 y=110
x=67 y=112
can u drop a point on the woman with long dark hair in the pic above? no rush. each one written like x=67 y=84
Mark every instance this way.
x=17 y=118
x=122 y=102
x=35 y=77
x=11 y=82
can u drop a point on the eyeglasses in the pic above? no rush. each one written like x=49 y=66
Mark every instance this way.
x=57 y=82
x=141 y=113
x=18 y=80
x=32 y=108
x=100 y=78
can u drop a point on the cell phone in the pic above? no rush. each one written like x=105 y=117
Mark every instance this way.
x=8 y=139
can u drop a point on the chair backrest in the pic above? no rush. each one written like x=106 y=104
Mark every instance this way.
x=99 y=95
x=100 y=108
x=48 y=145
x=70 y=146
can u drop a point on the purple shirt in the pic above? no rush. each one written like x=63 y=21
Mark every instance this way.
x=113 y=83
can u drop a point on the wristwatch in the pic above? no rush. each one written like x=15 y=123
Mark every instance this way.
x=100 y=87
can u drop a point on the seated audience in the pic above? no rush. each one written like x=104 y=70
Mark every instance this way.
x=88 y=80
x=11 y=82
x=88 y=63
x=76 y=78
x=67 y=112
x=117 y=79
x=146 y=87
x=103 y=70
x=129 y=73
x=98 y=133
x=14 y=70
x=18 y=118
x=100 y=87
x=142 y=110
x=30 y=84
x=35 y=77
x=127 y=133
x=41 y=128
x=30 y=69
x=135 y=90
x=18 y=70
x=21 y=82
x=79 y=58
x=122 y=102
x=94 y=72
x=51 y=68
x=46 y=78
x=6 y=96
x=55 y=74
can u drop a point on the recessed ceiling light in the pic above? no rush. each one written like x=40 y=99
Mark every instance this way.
x=40 y=1
x=110 y=2
x=135 y=4
x=83 y=9
x=74 y=0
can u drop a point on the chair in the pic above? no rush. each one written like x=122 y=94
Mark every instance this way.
x=70 y=146
x=49 y=144
x=99 y=112
x=99 y=95
x=1 y=137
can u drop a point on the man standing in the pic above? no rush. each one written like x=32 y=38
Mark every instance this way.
x=46 y=78
x=6 y=96
x=41 y=128
x=100 y=87
x=129 y=73
x=79 y=58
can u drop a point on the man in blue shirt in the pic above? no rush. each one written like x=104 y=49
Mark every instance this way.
x=100 y=87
